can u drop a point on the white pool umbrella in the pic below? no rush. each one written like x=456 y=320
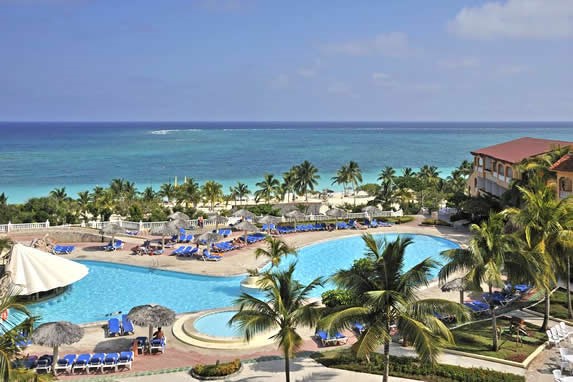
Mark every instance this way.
x=32 y=270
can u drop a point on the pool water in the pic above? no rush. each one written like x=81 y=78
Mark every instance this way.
x=216 y=324
x=110 y=287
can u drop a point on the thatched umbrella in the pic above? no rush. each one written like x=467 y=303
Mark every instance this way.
x=459 y=284
x=336 y=213
x=218 y=219
x=247 y=227
x=57 y=333
x=208 y=238
x=178 y=216
x=112 y=229
x=296 y=215
x=242 y=213
x=371 y=211
x=268 y=220
x=170 y=228
x=152 y=316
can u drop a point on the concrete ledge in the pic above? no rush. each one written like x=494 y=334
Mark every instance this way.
x=522 y=365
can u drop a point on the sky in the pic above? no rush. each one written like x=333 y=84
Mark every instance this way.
x=267 y=60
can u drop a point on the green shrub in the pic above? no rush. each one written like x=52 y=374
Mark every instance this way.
x=336 y=297
x=398 y=219
x=431 y=221
x=408 y=367
x=264 y=209
x=218 y=369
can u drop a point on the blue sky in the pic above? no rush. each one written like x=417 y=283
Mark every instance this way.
x=185 y=60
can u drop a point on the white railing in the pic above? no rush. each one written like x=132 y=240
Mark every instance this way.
x=148 y=226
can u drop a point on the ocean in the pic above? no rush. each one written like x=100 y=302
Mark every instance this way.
x=38 y=157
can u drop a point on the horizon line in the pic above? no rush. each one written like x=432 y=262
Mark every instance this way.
x=288 y=121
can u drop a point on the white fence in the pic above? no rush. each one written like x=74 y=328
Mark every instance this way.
x=148 y=226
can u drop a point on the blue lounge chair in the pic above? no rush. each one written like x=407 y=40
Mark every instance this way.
x=326 y=340
x=478 y=307
x=210 y=257
x=157 y=345
x=113 y=328
x=125 y=359
x=96 y=362
x=110 y=361
x=358 y=327
x=117 y=244
x=141 y=344
x=178 y=251
x=126 y=325
x=498 y=298
x=62 y=249
x=81 y=363
x=44 y=364
x=65 y=363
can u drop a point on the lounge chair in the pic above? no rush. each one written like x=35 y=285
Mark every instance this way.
x=81 y=362
x=359 y=327
x=65 y=363
x=327 y=340
x=210 y=257
x=113 y=327
x=110 y=362
x=158 y=344
x=96 y=362
x=63 y=249
x=564 y=330
x=44 y=363
x=551 y=339
x=125 y=359
x=126 y=325
x=178 y=251
x=477 y=307
x=117 y=244
x=558 y=377
x=141 y=344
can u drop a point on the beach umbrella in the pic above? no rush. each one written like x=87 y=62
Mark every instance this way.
x=459 y=284
x=296 y=215
x=170 y=228
x=242 y=213
x=178 y=216
x=371 y=211
x=112 y=229
x=208 y=238
x=152 y=316
x=218 y=219
x=336 y=213
x=268 y=220
x=57 y=333
x=247 y=227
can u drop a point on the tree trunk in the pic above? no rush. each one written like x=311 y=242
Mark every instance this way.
x=494 y=345
x=546 y=314
x=568 y=281
x=287 y=367
x=461 y=297
x=55 y=359
x=386 y=374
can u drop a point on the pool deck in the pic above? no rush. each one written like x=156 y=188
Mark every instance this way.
x=182 y=355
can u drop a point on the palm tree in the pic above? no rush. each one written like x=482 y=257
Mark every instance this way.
x=306 y=178
x=387 y=175
x=268 y=187
x=428 y=173
x=484 y=260
x=407 y=172
x=276 y=250
x=3 y=199
x=342 y=178
x=83 y=204
x=190 y=192
x=289 y=183
x=213 y=192
x=148 y=195
x=59 y=194
x=283 y=309
x=546 y=227
x=241 y=190
x=384 y=295
x=11 y=335
x=465 y=168
x=167 y=190
x=354 y=176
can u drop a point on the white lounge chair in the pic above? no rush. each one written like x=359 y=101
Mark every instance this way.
x=65 y=364
x=564 y=330
x=565 y=361
x=125 y=359
x=81 y=362
x=551 y=338
x=559 y=378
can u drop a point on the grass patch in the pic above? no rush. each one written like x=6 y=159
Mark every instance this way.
x=476 y=338
x=558 y=306
x=407 y=367
x=398 y=219
x=431 y=221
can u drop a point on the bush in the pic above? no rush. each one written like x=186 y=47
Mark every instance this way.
x=336 y=297
x=408 y=367
x=217 y=369
x=398 y=219
x=264 y=209
x=431 y=221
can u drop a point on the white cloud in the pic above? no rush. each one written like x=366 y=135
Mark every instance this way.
x=460 y=63
x=379 y=76
x=393 y=44
x=340 y=88
x=280 y=82
x=513 y=69
x=516 y=19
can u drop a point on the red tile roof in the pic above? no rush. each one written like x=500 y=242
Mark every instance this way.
x=518 y=149
x=565 y=164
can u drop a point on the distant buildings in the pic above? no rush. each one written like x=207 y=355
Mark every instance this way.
x=496 y=166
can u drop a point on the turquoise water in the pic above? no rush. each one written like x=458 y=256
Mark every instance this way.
x=112 y=287
x=33 y=156
x=216 y=325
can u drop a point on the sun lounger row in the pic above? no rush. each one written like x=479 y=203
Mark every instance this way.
x=375 y=224
x=207 y=256
x=72 y=363
x=326 y=339
x=187 y=251
x=558 y=333
x=499 y=298
x=478 y=307
x=183 y=237
x=116 y=328
x=223 y=246
x=253 y=238
x=224 y=232
x=117 y=244
x=63 y=249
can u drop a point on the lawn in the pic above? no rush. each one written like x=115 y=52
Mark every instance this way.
x=558 y=307
x=476 y=338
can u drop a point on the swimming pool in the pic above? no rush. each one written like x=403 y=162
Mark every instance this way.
x=110 y=287
x=216 y=324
